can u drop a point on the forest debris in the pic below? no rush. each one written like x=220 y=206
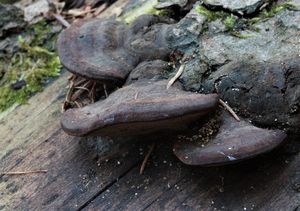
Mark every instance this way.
x=61 y=20
x=80 y=92
x=229 y=109
x=101 y=9
x=178 y=74
x=79 y=12
x=24 y=172
x=147 y=158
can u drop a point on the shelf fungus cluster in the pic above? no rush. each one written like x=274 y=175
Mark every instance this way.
x=134 y=57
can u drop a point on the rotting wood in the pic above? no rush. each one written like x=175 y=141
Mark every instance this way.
x=31 y=135
x=263 y=183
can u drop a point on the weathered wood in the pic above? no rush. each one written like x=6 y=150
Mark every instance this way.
x=265 y=183
x=31 y=138
x=74 y=175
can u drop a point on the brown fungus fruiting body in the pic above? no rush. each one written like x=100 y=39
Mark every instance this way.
x=135 y=56
x=107 y=50
x=235 y=141
x=140 y=108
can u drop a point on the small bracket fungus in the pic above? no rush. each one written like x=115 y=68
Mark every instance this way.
x=234 y=141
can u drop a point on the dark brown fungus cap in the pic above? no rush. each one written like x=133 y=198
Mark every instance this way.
x=107 y=50
x=140 y=108
x=234 y=141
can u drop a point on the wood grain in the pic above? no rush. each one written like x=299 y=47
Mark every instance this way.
x=266 y=183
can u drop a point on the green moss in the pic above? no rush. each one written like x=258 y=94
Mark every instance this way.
x=33 y=64
x=229 y=22
x=228 y=19
x=271 y=12
x=41 y=35
x=233 y=23
x=208 y=13
x=278 y=8
x=9 y=97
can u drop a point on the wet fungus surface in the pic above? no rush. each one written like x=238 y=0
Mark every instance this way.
x=261 y=85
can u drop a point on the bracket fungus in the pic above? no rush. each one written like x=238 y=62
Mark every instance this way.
x=136 y=56
x=107 y=50
x=235 y=140
x=139 y=108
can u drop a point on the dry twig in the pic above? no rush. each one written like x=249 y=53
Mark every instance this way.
x=75 y=94
x=80 y=82
x=83 y=88
x=229 y=109
x=105 y=91
x=178 y=74
x=61 y=20
x=79 y=12
x=77 y=104
x=69 y=94
x=146 y=158
x=23 y=172
x=100 y=9
x=92 y=93
x=136 y=95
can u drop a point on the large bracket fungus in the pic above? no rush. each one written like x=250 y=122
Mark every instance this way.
x=136 y=56
x=140 y=108
x=107 y=50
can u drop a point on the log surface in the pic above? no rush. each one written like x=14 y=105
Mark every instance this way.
x=31 y=139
